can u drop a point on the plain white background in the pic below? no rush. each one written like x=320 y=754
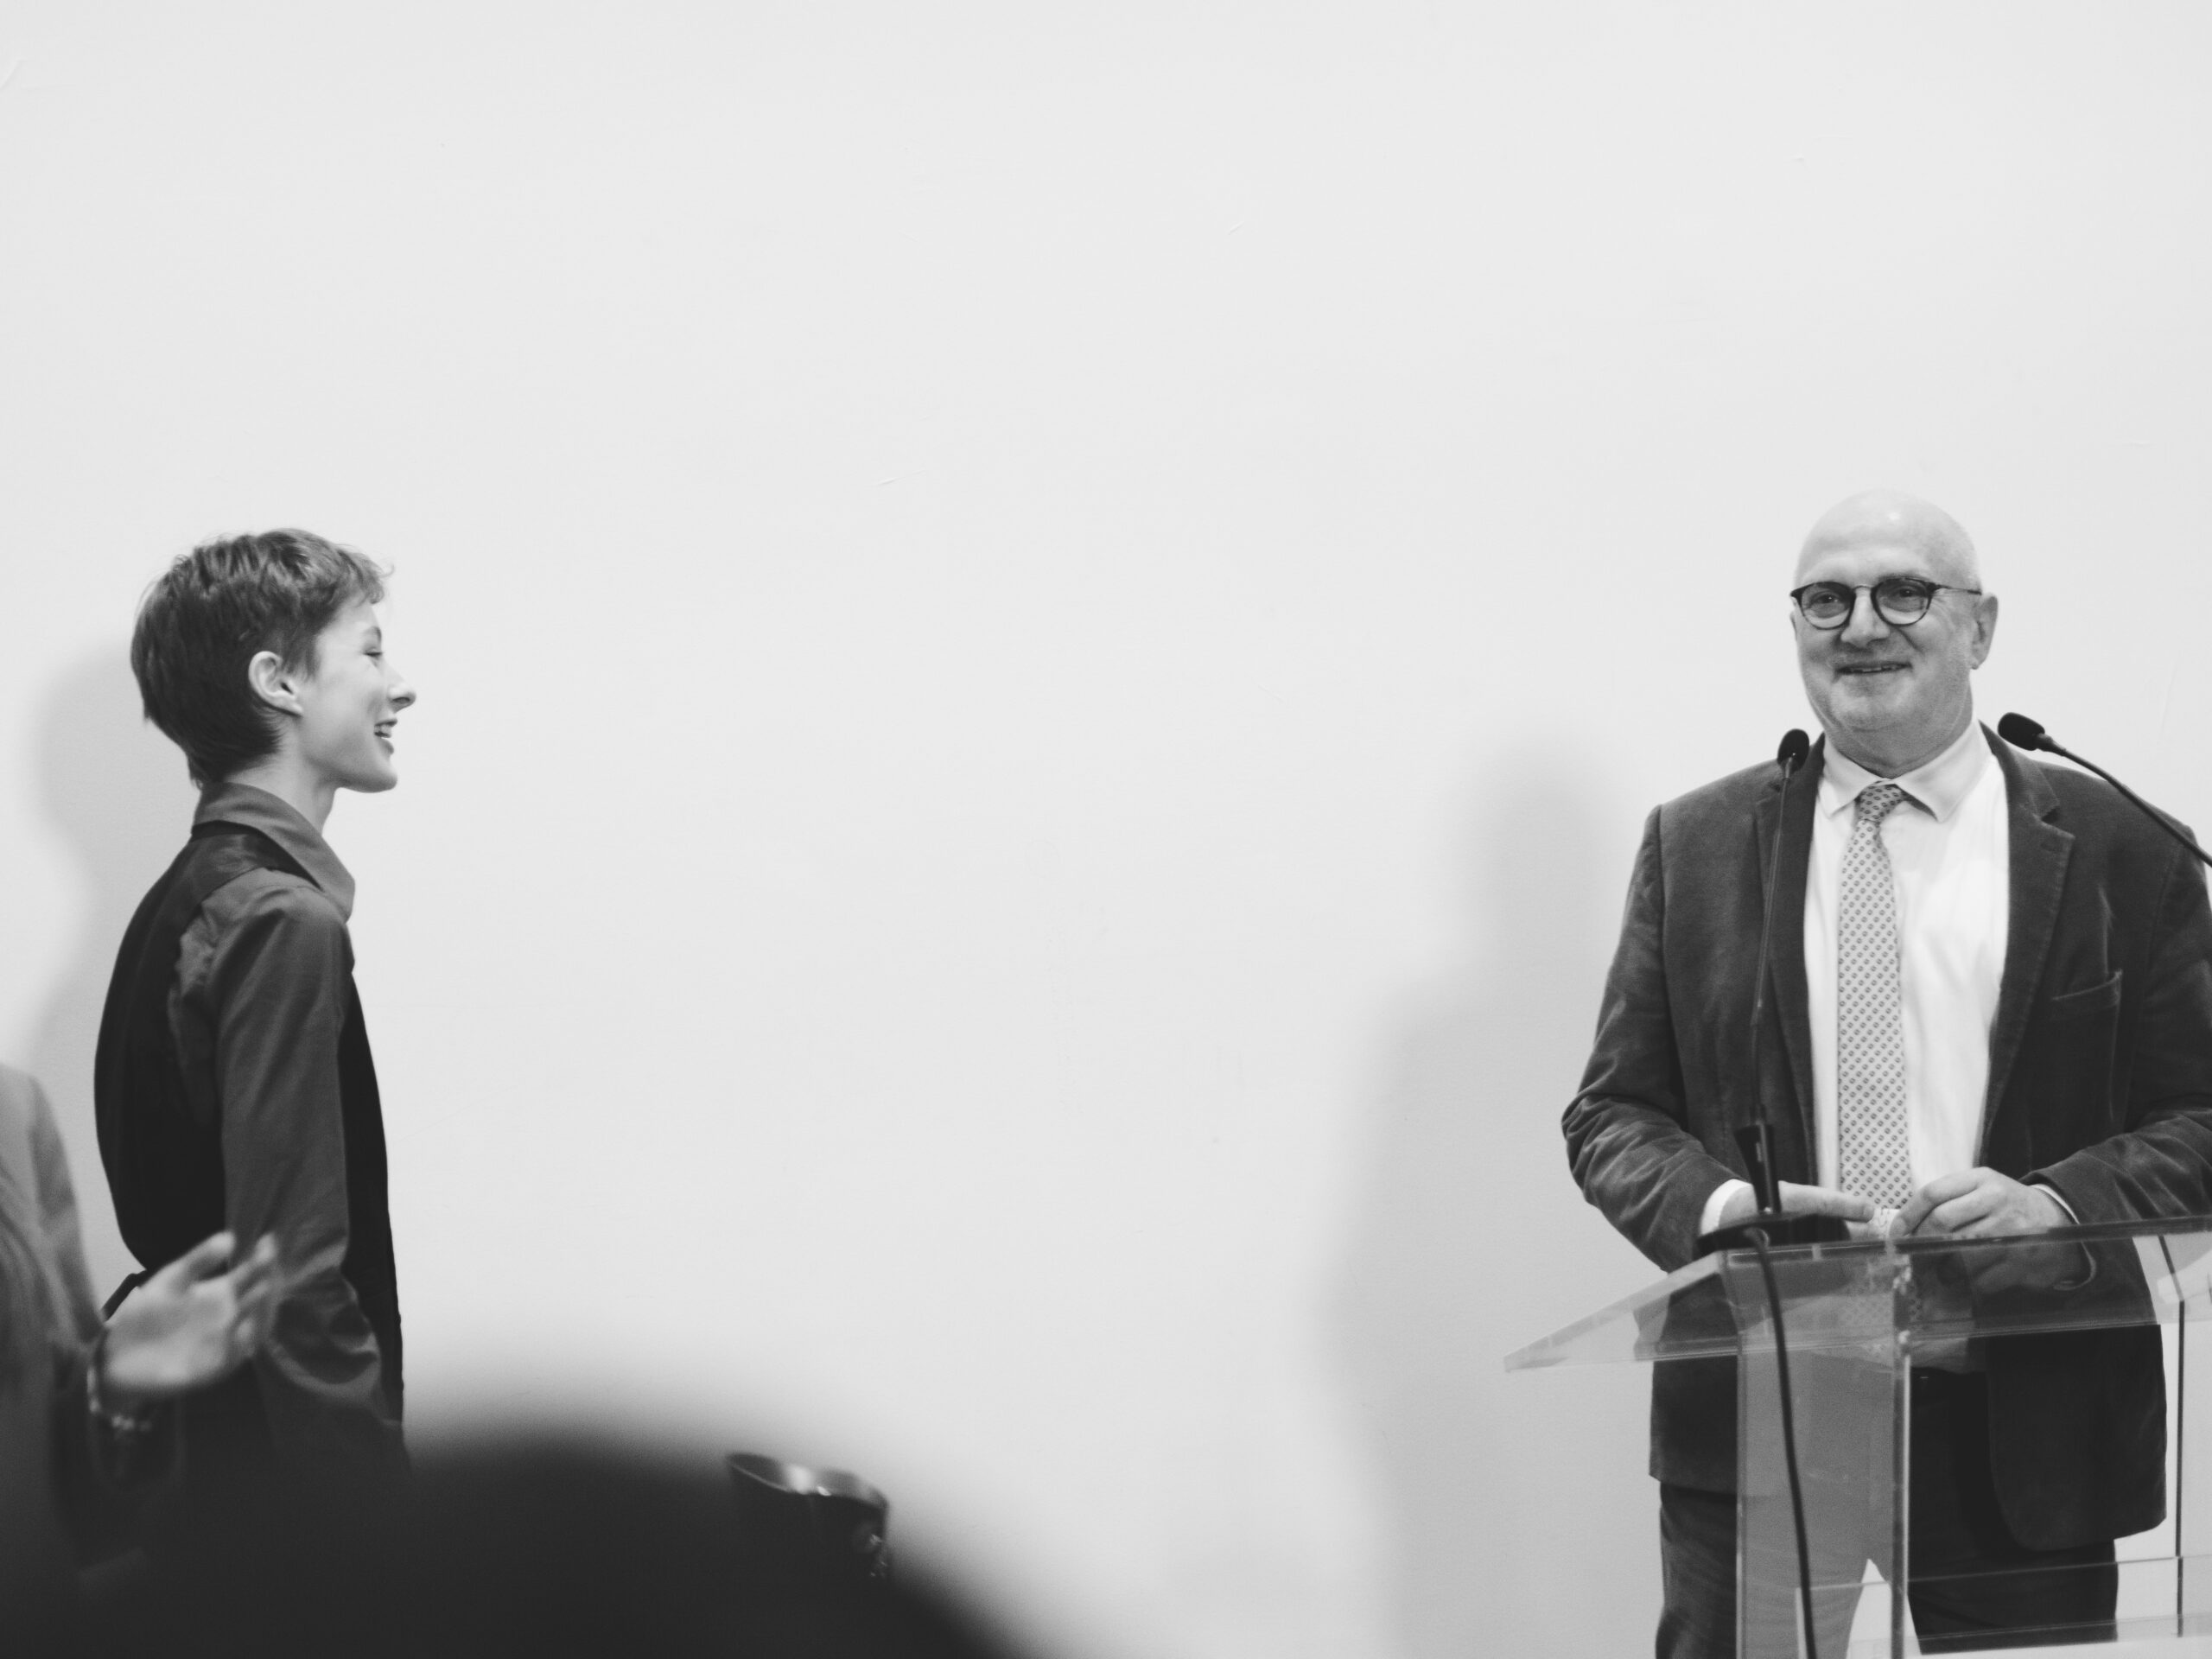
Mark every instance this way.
x=1044 y=633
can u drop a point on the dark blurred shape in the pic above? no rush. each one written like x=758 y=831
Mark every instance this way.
x=799 y=1520
x=547 y=1547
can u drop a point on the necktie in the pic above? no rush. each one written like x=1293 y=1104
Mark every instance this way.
x=1873 y=1144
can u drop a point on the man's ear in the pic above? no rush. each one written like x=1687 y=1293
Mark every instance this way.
x=273 y=683
x=1985 y=621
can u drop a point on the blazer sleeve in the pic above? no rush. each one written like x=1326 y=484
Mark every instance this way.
x=1628 y=1135
x=279 y=977
x=2161 y=1165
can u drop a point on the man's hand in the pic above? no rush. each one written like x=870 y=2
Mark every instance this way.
x=1797 y=1201
x=190 y=1324
x=1978 y=1204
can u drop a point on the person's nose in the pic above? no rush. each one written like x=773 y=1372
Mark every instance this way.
x=401 y=693
x=1864 y=625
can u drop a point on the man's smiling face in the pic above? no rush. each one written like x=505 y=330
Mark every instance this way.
x=1890 y=697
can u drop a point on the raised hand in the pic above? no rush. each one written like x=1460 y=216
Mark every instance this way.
x=191 y=1324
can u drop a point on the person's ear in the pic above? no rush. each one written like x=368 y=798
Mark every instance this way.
x=1984 y=627
x=273 y=683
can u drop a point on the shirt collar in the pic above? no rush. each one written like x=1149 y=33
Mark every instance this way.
x=256 y=809
x=1937 y=787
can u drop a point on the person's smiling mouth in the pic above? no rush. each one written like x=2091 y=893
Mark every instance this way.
x=1870 y=668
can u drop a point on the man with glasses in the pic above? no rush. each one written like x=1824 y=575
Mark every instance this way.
x=1989 y=1012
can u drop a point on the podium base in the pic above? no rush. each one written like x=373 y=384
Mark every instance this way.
x=1779 y=1230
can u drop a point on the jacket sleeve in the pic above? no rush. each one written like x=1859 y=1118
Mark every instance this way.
x=278 y=978
x=1628 y=1139
x=2161 y=1165
x=57 y=1213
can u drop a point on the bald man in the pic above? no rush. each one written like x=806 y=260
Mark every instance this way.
x=1989 y=1012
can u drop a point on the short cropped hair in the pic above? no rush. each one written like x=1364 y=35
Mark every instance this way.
x=207 y=616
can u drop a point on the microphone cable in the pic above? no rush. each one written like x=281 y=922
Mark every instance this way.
x=1789 y=1446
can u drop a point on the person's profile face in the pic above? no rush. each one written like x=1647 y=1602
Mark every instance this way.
x=1901 y=690
x=350 y=703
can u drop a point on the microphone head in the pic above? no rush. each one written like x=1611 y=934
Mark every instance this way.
x=2023 y=734
x=1795 y=748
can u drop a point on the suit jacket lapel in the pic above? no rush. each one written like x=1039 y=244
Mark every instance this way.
x=1793 y=816
x=2040 y=852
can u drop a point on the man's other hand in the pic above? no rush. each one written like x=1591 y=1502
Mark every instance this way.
x=1797 y=1201
x=1979 y=1204
x=191 y=1324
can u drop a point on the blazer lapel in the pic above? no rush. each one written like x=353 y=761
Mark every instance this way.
x=2039 y=853
x=1792 y=817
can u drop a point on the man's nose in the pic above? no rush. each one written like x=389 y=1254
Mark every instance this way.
x=1865 y=625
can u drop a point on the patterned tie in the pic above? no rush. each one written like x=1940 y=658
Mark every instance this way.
x=1874 y=1149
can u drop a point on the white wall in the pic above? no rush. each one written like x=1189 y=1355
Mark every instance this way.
x=1044 y=633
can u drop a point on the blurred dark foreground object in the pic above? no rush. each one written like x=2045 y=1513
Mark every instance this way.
x=544 y=1547
x=799 y=1523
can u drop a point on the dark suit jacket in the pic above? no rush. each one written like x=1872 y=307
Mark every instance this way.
x=2100 y=1083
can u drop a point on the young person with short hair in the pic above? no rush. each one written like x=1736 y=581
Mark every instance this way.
x=234 y=1086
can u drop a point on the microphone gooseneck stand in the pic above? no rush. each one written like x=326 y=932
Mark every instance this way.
x=2024 y=734
x=1769 y=1226
x=1756 y=1138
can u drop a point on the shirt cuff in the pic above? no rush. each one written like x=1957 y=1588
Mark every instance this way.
x=2059 y=1198
x=1709 y=1217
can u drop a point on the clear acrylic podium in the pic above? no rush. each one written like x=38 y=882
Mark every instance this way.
x=1856 y=1319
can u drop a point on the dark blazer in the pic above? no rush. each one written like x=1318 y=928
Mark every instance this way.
x=2100 y=1083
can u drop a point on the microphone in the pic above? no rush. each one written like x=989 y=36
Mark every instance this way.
x=2024 y=734
x=1756 y=1138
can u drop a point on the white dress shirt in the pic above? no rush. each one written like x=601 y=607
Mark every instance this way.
x=1950 y=860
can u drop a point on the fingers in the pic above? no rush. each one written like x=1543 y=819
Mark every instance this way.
x=1965 y=1217
x=1824 y=1201
x=203 y=1260
x=258 y=1288
x=1977 y=1204
x=259 y=1267
x=1914 y=1216
x=256 y=1319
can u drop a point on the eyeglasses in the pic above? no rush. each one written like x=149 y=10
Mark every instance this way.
x=1898 y=600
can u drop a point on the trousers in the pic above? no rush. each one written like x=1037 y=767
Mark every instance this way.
x=1969 y=1583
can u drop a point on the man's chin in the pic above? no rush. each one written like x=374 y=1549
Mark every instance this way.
x=1863 y=702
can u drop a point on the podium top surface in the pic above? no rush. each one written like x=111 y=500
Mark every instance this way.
x=1872 y=1295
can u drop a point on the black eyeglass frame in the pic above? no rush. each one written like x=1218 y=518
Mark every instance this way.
x=1797 y=598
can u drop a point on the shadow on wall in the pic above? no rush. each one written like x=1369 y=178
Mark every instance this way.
x=1517 y=1508
x=117 y=790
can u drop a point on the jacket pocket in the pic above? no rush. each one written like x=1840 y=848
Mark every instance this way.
x=2065 y=1097
x=2075 y=1005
